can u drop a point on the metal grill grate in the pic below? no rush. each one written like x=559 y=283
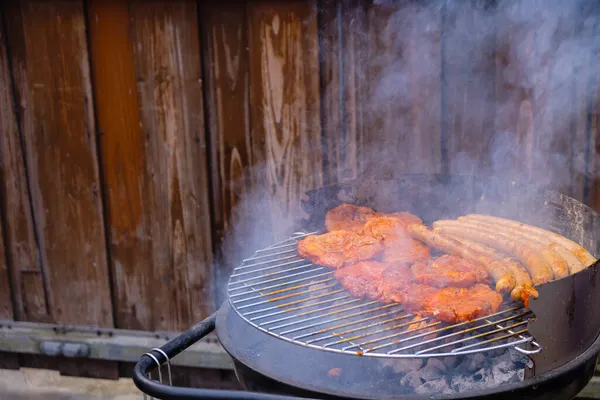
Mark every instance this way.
x=288 y=297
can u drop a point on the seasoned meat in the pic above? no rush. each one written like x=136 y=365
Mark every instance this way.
x=454 y=305
x=389 y=227
x=501 y=275
x=338 y=248
x=347 y=217
x=449 y=271
x=404 y=250
x=396 y=280
x=362 y=279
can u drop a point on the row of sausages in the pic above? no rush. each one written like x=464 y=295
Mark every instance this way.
x=518 y=256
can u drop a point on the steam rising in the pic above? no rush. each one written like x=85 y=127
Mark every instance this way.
x=492 y=88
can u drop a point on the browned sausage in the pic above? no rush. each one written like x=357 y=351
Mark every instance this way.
x=573 y=263
x=559 y=266
x=538 y=268
x=582 y=254
x=505 y=282
x=523 y=287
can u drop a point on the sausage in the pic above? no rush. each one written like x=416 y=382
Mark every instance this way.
x=505 y=282
x=573 y=263
x=582 y=254
x=538 y=268
x=560 y=269
x=523 y=287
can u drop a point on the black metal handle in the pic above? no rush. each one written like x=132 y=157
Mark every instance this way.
x=156 y=389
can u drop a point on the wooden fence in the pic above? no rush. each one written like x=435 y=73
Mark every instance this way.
x=134 y=136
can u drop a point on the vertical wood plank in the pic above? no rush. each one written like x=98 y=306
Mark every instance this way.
x=15 y=204
x=403 y=106
x=225 y=56
x=541 y=87
x=168 y=71
x=343 y=52
x=468 y=86
x=123 y=162
x=51 y=71
x=6 y=307
x=284 y=106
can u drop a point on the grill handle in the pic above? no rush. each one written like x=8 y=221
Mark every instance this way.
x=148 y=363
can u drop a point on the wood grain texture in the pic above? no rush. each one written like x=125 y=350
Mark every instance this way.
x=50 y=66
x=169 y=86
x=123 y=162
x=541 y=96
x=20 y=252
x=403 y=105
x=225 y=55
x=6 y=307
x=343 y=51
x=284 y=107
x=468 y=86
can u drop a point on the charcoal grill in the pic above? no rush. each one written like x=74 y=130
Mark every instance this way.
x=288 y=324
x=283 y=295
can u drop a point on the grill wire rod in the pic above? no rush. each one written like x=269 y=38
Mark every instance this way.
x=292 y=299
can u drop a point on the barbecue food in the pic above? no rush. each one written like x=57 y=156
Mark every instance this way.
x=404 y=250
x=558 y=244
x=362 y=279
x=582 y=254
x=523 y=287
x=559 y=267
x=389 y=228
x=537 y=266
x=347 y=217
x=396 y=280
x=504 y=280
x=454 y=305
x=339 y=248
x=451 y=271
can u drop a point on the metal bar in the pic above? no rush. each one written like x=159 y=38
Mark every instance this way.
x=336 y=319
x=360 y=328
x=287 y=296
x=245 y=260
x=345 y=296
x=272 y=267
x=274 y=279
x=280 y=284
x=261 y=295
x=294 y=302
x=462 y=332
x=302 y=314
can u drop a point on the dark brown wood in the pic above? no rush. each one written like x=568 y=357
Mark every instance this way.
x=225 y=55
x=21 y=252
x=6 y=309
x=343 y=51
x=468 y=87
x=169 y=86
x=541 y=99
x=51 y=73
x=403 y=105
x=123 y=162
x=284 y=109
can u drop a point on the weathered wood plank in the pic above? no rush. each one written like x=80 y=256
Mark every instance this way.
x=541 y=95
x=49 y=58
x=468 y=86
x=284 y=107
x=343 y=51
x=21 y=252
x=6 y=307
x=168 y=71
x=225 y=55
x=403 y=105
x=122 y=162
